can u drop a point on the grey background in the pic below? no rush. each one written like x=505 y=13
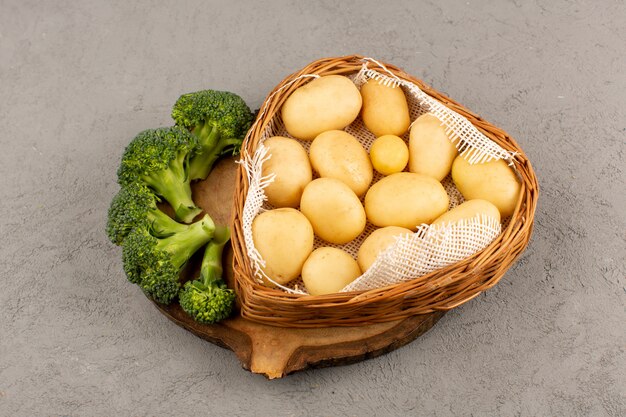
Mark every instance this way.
x=79 y=78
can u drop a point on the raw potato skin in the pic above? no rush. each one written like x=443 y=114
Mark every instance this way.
x=333 y=209
x=493 y=181
x=328 y=270
x=338 y=154
x=389 y=154
x=406 y=200
x=326 y=103
x=385 y=109
x=431 y=151
x=468 y=210
x=284 y=239
x=377 y=242
x=290 y=162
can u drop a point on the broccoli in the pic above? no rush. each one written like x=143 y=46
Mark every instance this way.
x=155 y=263
x=159 y=158
x=219 y=119
x=207 y=300
x=133 y=205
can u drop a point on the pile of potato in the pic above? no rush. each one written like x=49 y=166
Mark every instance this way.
x=336 y=206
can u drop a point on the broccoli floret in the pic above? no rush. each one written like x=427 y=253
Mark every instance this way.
x=134 y=205
x=159 y=158
x=219 y=119
x=155 y=263
x=207 y=300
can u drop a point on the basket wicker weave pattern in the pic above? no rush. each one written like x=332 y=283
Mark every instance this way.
x=442 y=289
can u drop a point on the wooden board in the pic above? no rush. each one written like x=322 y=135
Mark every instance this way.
x=274 y=351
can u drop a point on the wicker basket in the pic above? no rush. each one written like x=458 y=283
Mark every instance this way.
x=442 y=289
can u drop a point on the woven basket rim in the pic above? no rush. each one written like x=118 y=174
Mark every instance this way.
x=443 y=289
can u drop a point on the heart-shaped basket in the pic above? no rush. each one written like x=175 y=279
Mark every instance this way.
x=442 y=289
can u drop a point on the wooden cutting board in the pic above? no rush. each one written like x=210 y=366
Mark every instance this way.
x=275 y=351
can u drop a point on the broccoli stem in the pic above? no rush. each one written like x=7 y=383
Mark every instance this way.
x=163 y=225
x=183 y=245
x=202 y=164
x=212 y=145
x=211 y=269
x=168 y=184
x=208 y=137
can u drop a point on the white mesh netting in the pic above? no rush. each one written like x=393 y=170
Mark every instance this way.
x=411 y=256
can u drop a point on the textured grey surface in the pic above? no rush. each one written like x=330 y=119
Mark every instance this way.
x=79 y=79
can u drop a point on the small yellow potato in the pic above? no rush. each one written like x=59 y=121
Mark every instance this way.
x=389 y=154
x=493 y=181
x=378 y=241
x=290 y=163
x=338 y=154
x=385 y=109
x=333 y=209
x=406 y=200
x=468 y=210
x=431 y=151
x=284 y=239
x=326 y=103
x=328 y=270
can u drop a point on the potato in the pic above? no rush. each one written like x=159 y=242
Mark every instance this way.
x=284 y=239
x=406 y=200
x=431 y=151
x=290 y=163
x=389 y=154
x=337 y=154
x=333 y=209
x=326 y=103
x=468 y=210
x=385 y=109
x=493 y=181
x=378 y=241
x=328 y=270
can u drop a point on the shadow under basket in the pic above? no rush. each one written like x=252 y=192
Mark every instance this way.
x=440 y=290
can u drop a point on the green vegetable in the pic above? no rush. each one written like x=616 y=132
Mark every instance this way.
x=155 y=263
x=159 y=164
x=136 y=205
x=219 y=119
x=207 y=300
x=159 y=159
